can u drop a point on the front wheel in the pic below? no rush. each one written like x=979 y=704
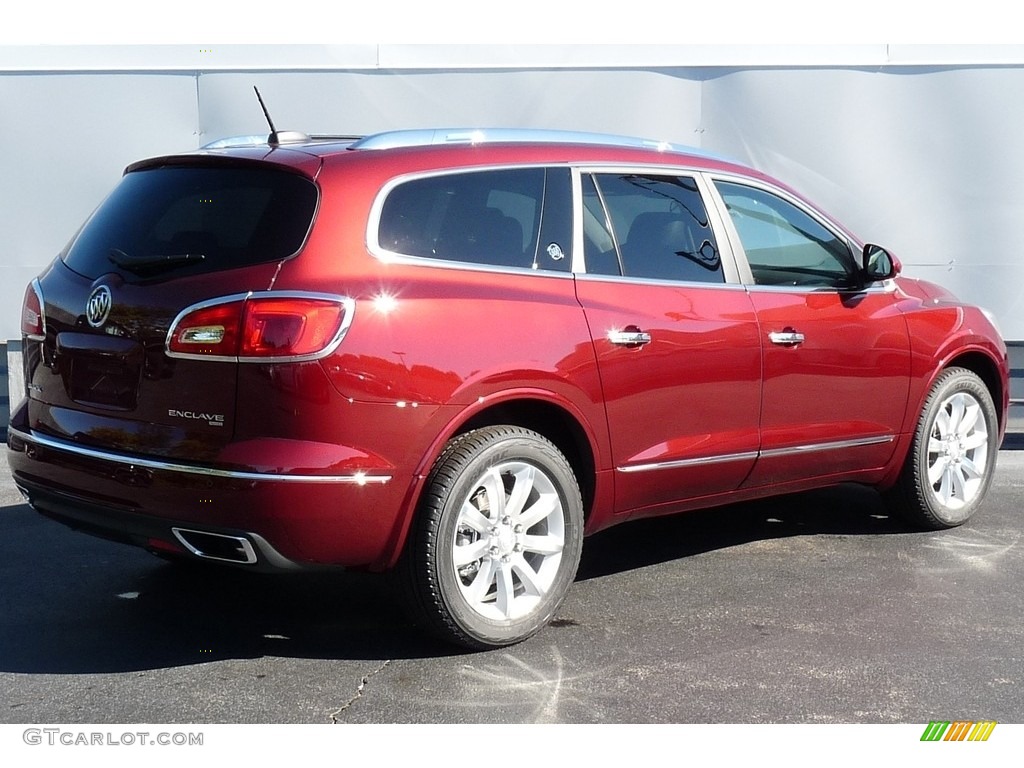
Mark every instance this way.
x=498 y=538
x=952 y=459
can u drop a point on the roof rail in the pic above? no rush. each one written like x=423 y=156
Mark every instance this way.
x=283 y=139
x=437 y=136
x=236 y=141
x=275 y=139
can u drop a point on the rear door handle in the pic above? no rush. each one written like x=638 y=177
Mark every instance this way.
x=786 y=338
x=630 y=337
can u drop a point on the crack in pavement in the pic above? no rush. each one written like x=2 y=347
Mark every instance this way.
x=359 y=692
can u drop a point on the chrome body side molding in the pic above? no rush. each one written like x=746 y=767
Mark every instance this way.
x=772 y=453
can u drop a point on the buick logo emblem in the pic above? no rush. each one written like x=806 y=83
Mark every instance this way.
x=98 y=306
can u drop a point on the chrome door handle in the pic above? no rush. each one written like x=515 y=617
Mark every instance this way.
x=629 y=338
x=786 y=338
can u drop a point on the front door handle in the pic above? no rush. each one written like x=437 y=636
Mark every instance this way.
x=631 y=336
x=786 y=338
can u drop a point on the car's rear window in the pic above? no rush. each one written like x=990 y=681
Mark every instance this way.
x=175 y=220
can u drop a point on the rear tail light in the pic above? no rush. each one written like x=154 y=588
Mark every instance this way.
x=33 y=319
x=267 y=327
x=294 y=327
x=208 y=331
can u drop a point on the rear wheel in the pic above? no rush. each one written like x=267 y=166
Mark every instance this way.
x=498 y=538
x=952 y=459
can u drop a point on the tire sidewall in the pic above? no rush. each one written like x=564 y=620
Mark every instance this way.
x=545 y=458
x=953 y=381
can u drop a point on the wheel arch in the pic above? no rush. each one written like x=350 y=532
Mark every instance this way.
x=541 y=412
x=555 y=423
x=986 y=369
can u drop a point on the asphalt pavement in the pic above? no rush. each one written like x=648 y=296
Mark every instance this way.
x=814 y=608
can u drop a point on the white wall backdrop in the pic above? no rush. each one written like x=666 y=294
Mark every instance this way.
x=614 y=101
x=919 y=155
x=65 y=141
x=927 y=161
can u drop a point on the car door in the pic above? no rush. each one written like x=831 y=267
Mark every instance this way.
x=676 y=339
x=836 y=352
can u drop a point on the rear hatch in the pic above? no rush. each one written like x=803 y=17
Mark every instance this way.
x=176 y=232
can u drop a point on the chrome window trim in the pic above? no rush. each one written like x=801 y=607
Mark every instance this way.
x=883 y=286
x=660 y=282
x=578 y=244
x=771 y=453
x=354 y=478
x=392 y=257
x=348 y=304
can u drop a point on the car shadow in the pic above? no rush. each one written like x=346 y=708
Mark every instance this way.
x=73 y=604
x=846 y=510
x=1013 y=441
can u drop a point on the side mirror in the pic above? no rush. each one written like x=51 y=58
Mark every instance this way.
x=879 y=264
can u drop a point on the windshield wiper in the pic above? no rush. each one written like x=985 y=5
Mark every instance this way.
x=150 y=264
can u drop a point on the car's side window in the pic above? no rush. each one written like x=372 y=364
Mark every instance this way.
x=518 y=217
x=648 y=225
x=785 y=245
x=599 y=252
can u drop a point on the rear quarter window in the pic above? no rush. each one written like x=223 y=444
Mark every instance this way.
x=517 y=217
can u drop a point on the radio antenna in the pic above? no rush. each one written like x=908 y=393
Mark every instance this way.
x=266 y=114
x=277 y=138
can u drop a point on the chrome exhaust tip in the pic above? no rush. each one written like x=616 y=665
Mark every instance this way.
x=216 y=546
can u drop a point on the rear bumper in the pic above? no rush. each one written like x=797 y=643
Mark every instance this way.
x=128 y=526
x=258 y=520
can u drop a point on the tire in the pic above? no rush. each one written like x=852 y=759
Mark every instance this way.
x=497 y=539
x=951 y=461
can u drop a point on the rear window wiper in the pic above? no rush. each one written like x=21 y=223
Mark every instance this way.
x=150 y=264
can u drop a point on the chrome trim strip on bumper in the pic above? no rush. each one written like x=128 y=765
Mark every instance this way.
x=355 y=478
x=771 y=454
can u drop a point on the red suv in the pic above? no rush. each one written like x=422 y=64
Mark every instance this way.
x=457 y=353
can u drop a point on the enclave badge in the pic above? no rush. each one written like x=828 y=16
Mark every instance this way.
x=98 y=306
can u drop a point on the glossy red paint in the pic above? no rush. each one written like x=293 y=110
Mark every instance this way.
x=845 y=384
x=688 y=401
x=325 y=460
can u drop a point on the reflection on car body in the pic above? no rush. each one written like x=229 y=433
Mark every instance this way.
x=458 y=353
